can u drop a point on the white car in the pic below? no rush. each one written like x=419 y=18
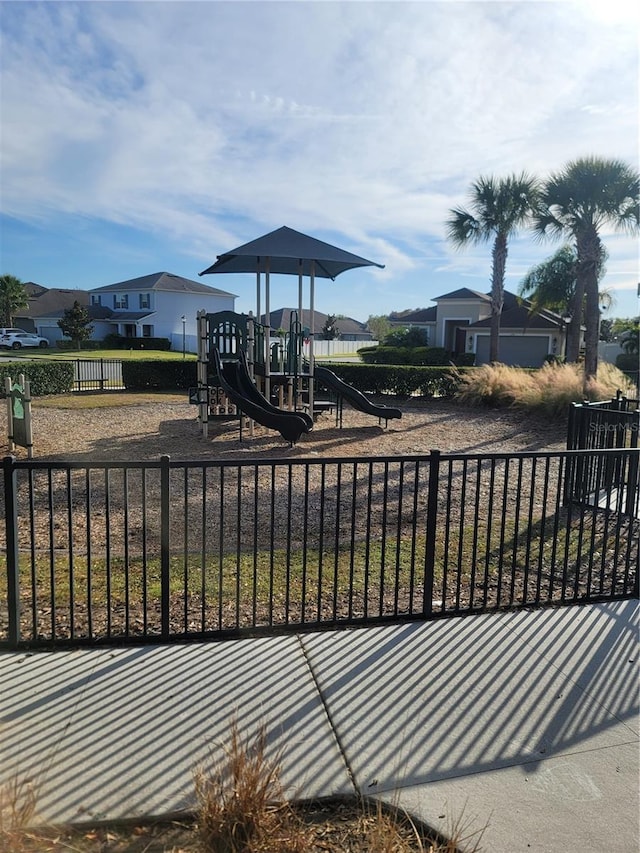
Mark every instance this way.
x=16 y=339
x=10 y=332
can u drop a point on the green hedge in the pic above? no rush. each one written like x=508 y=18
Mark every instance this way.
x=628 y=362
x=121 y=342
x=159 y=375
x=405 y=355
x=400 y=380
x=45 y=377
x=67 y=344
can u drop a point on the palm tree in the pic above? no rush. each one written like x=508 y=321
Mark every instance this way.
x=498 y=208
x=577 y=202
x=13 y=297
x=552 y=285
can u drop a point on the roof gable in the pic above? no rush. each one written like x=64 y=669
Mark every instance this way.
x=464 y=293
x=161 y=281
x=421 y=315
x=520 y=317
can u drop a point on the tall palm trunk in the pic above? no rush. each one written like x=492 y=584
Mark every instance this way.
x=589 y=251
x=575 y=325
x=499 y=256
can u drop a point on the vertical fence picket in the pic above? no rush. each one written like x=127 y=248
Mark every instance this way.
x=13 y=566
x=165 y=553
x=431 y=532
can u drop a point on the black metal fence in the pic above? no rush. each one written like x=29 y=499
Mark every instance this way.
x=597 y=426
x=163 y=550
x=97 y=374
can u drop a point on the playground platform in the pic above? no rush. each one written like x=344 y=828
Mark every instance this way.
x=526 y=722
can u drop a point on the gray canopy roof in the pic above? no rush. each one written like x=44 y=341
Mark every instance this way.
x=286 y=249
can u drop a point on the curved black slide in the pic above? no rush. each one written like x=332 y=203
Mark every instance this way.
x=289 y=425
x=250 y=391
x=354 y=397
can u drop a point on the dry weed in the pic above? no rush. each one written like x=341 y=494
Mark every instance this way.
x=17 y=807
x=240 y=801
x=548 y=390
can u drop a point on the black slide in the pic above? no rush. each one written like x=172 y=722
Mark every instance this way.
x=354 y=397
x=288 y=424
x=247 y=385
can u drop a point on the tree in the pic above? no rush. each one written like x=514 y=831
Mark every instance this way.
x=498 y=208
x=577 y=202
x=13 y=298
x=630 y=339
x=412 y=336
x=379 y=326
x=606 y=331
x=552 y=285
x=330 y=330
x=621 y=325
x=76 y=324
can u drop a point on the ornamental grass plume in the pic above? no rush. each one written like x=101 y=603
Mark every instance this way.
x=548 y=390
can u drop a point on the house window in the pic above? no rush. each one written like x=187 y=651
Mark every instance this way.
x=147 y=331
x=145 y=300
x=96 y=299
x=121 y=301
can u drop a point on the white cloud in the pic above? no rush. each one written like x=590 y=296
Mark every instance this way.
x=363 y=119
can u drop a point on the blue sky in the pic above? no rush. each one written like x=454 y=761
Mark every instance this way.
x=149 y=136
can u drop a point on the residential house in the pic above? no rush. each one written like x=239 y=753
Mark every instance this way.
x=460 y=322
x=348 y=328
x=46 y=306
x=160 y=305
x=152 y=306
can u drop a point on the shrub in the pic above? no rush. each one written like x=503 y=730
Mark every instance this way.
x=45 y=377
x=410 y=337
x=159 y=375
x=401 y=380
x=404 y=355
x=120 y=342
x=629 y=363
x=66 y=344
x=113 y=341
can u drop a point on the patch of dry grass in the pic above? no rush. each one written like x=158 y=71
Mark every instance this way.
x=241 y=807
x=548 y=390
x=107 y=400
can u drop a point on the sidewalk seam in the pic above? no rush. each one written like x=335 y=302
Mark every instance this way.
x=325 y=707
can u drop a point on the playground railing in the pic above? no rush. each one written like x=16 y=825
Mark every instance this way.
x=165 y=550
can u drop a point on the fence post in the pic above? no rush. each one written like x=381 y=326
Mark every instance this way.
x=11 y=525
x=164 y=545
x=430 y=533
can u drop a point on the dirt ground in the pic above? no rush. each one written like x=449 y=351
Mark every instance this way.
x=148 y=429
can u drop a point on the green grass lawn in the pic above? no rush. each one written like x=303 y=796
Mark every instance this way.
x=122 y=354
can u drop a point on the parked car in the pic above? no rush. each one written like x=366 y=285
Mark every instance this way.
x=16 y=339
x=11 y=332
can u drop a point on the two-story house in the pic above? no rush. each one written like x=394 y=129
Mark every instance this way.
x=160 y=305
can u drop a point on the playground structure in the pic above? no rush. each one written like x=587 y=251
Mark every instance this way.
x=224 y=384
x=241 y=371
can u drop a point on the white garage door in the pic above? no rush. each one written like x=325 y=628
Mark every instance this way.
x=51 y=333
x=521 y=350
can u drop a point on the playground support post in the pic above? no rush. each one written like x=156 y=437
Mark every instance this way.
x=267 y=331
x=203 y=387
x=312 y=280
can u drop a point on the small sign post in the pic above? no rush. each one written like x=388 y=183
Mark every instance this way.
x=19 y=414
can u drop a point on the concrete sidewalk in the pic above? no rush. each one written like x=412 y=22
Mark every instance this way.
x=526 y=721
